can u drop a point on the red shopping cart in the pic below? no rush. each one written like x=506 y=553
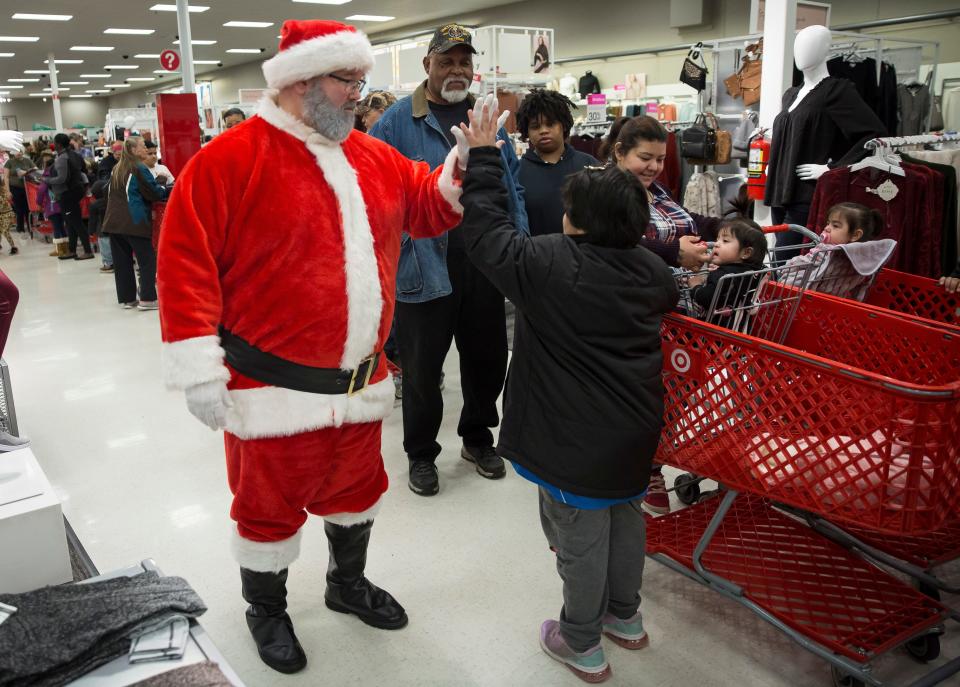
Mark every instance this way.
x=40 y=224
x=854 y=418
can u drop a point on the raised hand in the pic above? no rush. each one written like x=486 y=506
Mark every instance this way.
x=485 y=121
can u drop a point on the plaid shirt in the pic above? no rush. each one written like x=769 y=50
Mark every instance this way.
x=668 y=220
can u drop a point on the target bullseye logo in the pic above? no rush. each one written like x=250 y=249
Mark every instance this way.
x=680 y=360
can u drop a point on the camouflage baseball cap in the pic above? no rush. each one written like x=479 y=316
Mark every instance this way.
x=450 y=36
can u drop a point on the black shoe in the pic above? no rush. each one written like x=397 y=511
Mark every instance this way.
x=268 y=621
x=348 y=591
x=423 y=478
x=488 y=463
x=13 y=250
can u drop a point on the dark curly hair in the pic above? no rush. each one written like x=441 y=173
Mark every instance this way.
x=550 y=106
x=608 y=204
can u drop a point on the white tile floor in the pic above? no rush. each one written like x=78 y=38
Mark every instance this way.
x=139 y=477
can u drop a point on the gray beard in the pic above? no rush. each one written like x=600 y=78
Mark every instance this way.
x=321 y=114
x=453 y=95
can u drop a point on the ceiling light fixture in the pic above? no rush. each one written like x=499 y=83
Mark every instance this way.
x=6 y=85
x=164 y=71
x=94 y=76
x=43 y=17
x=117 y=85
x=81 y=96
x=50 y=90
x=196 y=42
x=97 y=90
x=74 y=83
x=324 y=2
x=369 y=17
x=36 y=71
x=132 y=32
x=206 y=61
x=7 y=54
x=246 y=51
x=92 y=48
x=64 y=61
x=142 y=78
x=39 y=95
x=148 y=56
x=19 y=39
x=24 y=80
x=173 y=8
x=122 y=66
x=249 y=24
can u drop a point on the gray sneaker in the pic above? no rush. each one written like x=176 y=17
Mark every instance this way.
x=590 y=666
x=627 y=633
x=488 y=463
x=8 y=442
x=148 y=305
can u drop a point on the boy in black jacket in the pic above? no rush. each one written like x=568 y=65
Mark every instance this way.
x=583 y=406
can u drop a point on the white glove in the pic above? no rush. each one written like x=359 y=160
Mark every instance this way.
x=493 y=112
x=208 y=402
x=11 y=141
x=810 y=172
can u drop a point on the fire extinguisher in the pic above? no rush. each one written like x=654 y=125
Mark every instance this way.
x=757 y=166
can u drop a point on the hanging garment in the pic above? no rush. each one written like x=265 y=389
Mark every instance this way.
x=862 y=74
x=887 y=98
x=702 y=196
x=60 y=633
x=508 y=101
x=670 y=174
x=829 y=126
x=948 y=245
x=950 y=107
x=913 y=103
x=908 y=205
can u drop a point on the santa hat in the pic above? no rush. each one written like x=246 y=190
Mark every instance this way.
x=314 y=47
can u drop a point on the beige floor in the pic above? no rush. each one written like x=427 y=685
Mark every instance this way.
x=139 y=477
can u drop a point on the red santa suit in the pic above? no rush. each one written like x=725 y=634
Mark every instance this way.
x=290 y=241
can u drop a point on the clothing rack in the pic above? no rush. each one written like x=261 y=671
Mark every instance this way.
x=900 y=141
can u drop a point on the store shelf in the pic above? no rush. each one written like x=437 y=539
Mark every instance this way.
x=801 y=578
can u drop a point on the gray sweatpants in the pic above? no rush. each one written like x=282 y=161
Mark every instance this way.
x=600 y=556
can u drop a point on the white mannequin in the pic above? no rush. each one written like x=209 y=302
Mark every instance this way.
x=11 y=141
x=568 y=86
x=811 y=50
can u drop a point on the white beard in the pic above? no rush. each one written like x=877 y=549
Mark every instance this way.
x=454 y=95
x=329 y=121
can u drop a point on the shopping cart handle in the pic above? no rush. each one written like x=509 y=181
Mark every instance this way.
x=796 y=228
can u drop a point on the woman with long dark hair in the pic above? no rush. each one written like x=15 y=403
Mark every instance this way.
x=128 y=221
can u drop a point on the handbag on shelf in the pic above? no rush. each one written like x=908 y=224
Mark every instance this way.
x=705 y=143
x=693 y=74
x=745 y=83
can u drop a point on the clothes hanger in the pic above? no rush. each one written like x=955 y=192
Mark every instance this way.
x=883 y=159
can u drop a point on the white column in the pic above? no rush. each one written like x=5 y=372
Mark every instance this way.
x=55 y=93
x=779 y=31
x=186 y=47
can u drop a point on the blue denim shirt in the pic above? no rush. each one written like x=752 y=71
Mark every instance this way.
x=410 y=127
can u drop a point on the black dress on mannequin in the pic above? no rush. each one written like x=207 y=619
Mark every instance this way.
x=588 y=84
x=828 y=127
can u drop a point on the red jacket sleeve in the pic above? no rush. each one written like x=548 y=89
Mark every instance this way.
x=433 y=197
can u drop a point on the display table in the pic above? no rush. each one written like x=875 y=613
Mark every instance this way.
x=33 y=542
x=121 y=672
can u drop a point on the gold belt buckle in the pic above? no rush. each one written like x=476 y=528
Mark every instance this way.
x=366 y=377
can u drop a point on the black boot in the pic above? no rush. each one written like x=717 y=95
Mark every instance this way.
x=348 y=591
x=268 y=621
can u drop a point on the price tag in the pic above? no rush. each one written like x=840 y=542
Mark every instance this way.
x=596 y=114
x=596 y=99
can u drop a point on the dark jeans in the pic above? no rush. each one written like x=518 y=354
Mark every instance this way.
x=600 y=556
x=59 y=231
x=123 y=248
x=76 y=229
x=9 y=297
x=473 y=316
x=789 y=214
x=20 y=206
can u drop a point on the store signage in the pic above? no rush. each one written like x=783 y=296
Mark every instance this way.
x=596 y=114
x=170 y=60
x=620 y=88
x=596 y=99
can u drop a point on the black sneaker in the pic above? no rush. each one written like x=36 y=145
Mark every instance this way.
x=488 y=463
x=423 y=478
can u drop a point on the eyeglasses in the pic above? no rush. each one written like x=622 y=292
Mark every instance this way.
x=352 y=84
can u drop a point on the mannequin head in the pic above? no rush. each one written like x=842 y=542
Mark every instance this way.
x=811 y=47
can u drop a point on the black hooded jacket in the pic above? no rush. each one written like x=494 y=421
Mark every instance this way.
x=583 y=405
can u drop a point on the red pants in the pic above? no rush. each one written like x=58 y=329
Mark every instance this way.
x=276 y=481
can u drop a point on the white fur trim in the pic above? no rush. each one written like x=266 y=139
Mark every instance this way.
x=350 y=519
x=364 y=298
x=342 y=50
x=268 y=556
x=450 y=190
x=193 y=361
x=273 y=411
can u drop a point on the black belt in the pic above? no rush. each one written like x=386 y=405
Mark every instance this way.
x=269 y=369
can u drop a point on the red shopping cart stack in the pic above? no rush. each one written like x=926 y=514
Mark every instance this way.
x=854 y=417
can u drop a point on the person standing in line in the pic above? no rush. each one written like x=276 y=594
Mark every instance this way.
x=129 y=223
x=160 y=172
x=68 y=182
x=232 y=117
x=441 y=297
x=52 y=211
x=545 y=120
x=110 y=160
x=18 y=166
x=371 y=109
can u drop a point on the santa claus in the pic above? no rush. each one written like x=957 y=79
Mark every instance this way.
x=276 y=281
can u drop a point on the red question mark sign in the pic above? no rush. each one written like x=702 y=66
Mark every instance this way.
x=169 y=60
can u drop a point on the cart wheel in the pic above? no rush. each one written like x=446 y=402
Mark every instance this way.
x=842 y=679
x=925 y=648
x=687 y=488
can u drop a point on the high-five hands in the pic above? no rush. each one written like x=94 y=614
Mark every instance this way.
x=11 y=141
x=485 y=121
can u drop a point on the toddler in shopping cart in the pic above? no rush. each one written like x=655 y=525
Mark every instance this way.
x=848 y=256
x=583 y=405
x=740 y=249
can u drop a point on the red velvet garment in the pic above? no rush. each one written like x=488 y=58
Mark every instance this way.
x=914 y=218
x=670 y=174
x=276 y=482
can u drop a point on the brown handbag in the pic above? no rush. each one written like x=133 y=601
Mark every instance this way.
x=746 y=82
x=724 y=143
